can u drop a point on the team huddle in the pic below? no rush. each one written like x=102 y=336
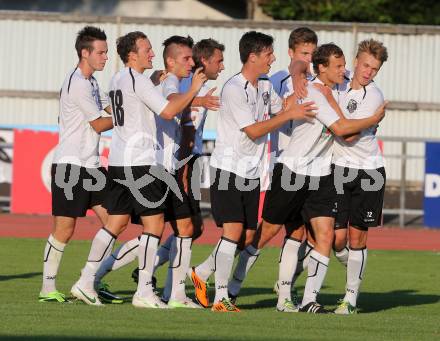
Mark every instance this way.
x=326 y=170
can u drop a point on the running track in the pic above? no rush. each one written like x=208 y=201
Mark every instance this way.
x=387 y=238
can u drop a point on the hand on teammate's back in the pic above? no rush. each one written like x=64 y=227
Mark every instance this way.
x=198 y=79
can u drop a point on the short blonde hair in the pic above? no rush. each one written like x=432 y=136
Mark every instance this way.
x=373 y=47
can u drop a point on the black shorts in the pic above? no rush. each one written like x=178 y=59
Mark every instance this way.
x=76 y=189
x=155 y=197
x=360 y=204
x=291 y=194
x=294 y=223
x=234 y=199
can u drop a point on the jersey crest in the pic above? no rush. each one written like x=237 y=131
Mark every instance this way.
x=352 y=106
x=266 y=97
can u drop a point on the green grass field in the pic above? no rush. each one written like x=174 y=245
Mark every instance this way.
x=400 y=300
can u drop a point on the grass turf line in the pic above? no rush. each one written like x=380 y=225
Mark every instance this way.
x=400 y=300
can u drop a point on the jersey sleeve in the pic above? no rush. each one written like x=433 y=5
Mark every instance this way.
x=150 y=95
x=170 y=86
x=237 y=104
x=325 y=113
x=81 y=94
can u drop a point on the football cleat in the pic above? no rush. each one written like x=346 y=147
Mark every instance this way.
x=225 y=306
x=287 y=307
x=345 y=308
x=186 y=303
x=54 y=296
x=201 y=289
x=313 y=308
x=153 y=302
x=89 y=297
x=106 y=296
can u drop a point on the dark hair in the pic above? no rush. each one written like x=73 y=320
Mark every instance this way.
x=205 y=48
x=127 y=44
x=253 y=42
x=323 y=53
x=302 y=35
x=176 y=40
x=86 y=37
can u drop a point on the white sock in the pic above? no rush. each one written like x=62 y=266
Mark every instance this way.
x=180 y=258
x=224 y=259
x=303 y=260
x=317 y=269
x=207 y=268
x=247 y=258
x=342 y=255
x=123 y=255
x=101 y=248
x=288 y=261
x=147 y=251
x=309 y=249
x=163 y=254
x=357 y=262
x=52 y=258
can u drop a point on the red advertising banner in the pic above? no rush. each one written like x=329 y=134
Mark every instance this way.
x=33 y=154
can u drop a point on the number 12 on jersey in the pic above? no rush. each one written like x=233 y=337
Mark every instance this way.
x=118 y=110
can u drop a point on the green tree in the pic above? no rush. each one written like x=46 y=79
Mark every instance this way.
x=421 y=12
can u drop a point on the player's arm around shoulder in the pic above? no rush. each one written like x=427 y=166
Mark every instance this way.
x=345 y=126
x=289 y=110
x=148 y=93
x=328 y=95
x=180 y=101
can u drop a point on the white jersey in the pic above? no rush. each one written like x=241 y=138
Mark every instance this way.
x=135 y=102
x=80 y=103
x=241 y=105
x=310 y=148
x=356 y=104
x=168 y=131
x=198 y=118
x=283 y=85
